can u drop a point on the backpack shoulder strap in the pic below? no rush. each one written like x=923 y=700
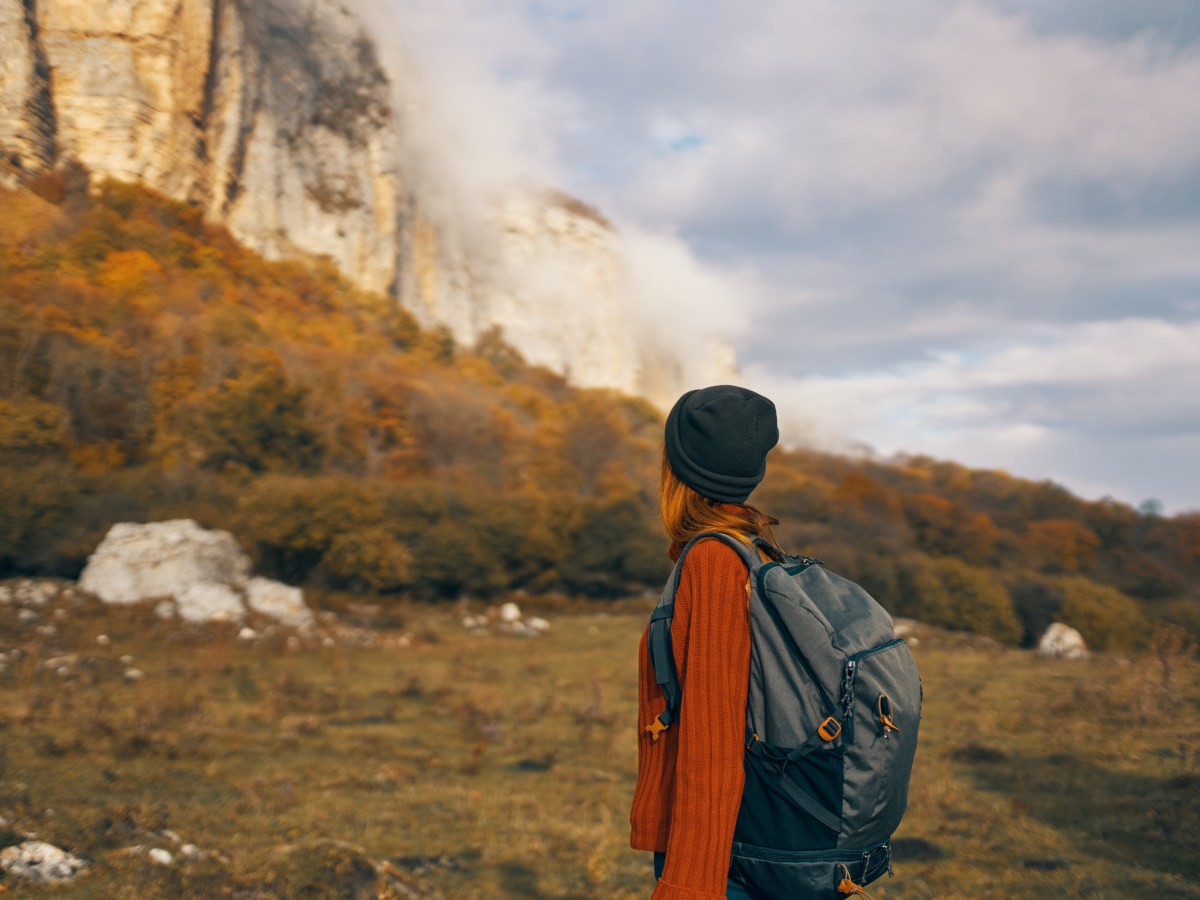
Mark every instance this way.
x=662 y=656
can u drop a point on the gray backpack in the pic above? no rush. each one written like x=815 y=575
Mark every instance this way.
x=832 y=715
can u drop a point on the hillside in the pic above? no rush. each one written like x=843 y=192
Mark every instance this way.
x=280 y=121
x=152 y=367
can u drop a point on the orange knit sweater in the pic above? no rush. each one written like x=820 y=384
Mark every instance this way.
x=689 y=783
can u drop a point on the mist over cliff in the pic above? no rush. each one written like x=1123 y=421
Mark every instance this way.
x=306 y=128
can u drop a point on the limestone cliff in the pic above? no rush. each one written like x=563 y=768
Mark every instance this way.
x=276 y=118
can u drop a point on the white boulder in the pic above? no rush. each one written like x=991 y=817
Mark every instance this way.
x=196 y=574
x=539 y=624
x=1062 y=642
x=207 y=601
x=510 y=612
x=161 y=559
x=279 y=601
x=40 y=862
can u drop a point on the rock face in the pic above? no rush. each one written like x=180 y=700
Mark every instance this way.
x=276 y=117
x=40 y=863
x=197 y=574
x=1062 y=642
x=549 y=272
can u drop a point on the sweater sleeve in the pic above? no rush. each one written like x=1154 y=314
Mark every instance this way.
x=713 y=659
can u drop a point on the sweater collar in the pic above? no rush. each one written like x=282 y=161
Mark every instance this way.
x=743 y=512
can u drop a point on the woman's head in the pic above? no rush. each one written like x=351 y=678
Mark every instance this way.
x=715 y=453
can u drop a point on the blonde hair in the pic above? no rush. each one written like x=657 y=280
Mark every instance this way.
x=686 y=513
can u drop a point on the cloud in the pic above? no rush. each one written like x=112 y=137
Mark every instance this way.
x=1055 y=407
x=482 y=119
x=965 y=228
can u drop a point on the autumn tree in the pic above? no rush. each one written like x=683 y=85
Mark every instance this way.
x=257 y=421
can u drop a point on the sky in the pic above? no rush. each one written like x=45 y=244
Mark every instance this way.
x=963 y=229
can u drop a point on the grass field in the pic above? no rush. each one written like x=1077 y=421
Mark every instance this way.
x=479 y=766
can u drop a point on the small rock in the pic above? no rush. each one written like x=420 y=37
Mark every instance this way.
x=103 y=640
x=293 y=643
x=34 y=593
x=539 y=624
x=132 y=675
x=5 y=594
x=26 y=616
x=127 y=660
x=279 y=601
x=191 y=851
x=40 y=862
x=60 y=614
x=162 y=857
x=47 y=631
x=165 y=609
x=329 y=642
x=247 y=634
x=404 y=641
x=207 y=601
x=1062 y=642
x=510 y=612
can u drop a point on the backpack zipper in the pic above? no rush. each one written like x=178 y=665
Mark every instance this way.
x=775 y=855
x=848 y=683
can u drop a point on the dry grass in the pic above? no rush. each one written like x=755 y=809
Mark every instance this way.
x=493 y=766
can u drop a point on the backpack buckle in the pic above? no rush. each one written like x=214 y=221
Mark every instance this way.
x=656 y=728
x=830 y=729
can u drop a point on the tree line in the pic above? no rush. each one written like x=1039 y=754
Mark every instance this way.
x=151 y=367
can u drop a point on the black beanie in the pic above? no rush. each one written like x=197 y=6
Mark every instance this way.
x=717 y=440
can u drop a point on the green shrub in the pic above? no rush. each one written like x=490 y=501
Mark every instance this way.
x=950 y=593
x=369 y=557
x=616 y=550
x=1107 y=619
x=449 y=561
x=332 y=530
x=36 y=503
x=257 y=421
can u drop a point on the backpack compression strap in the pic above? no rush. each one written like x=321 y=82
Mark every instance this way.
x=662 y=655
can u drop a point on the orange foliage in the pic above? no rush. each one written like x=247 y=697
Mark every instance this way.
x=138 y=342
x=1063 y=545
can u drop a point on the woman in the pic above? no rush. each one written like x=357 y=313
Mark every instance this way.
x=689 y=783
